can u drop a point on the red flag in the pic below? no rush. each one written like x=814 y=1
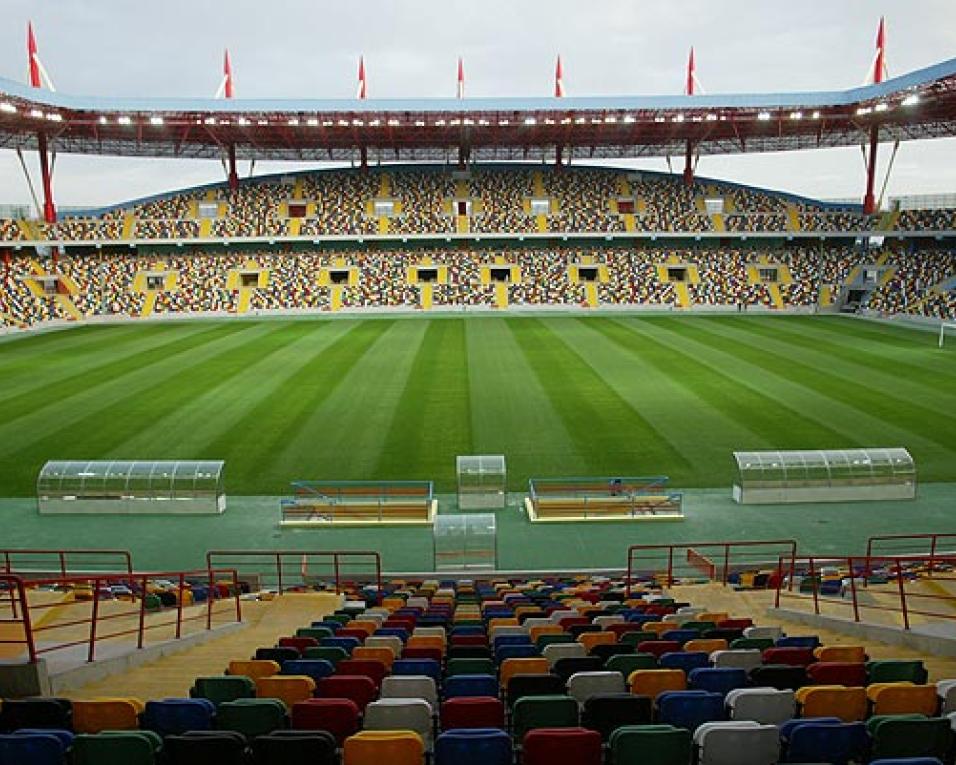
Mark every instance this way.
x=691 y=73
x=361 y=93
x=879 y=66
x=461 y=78
x=558 y=79
x=34 y=63
x=227 y=75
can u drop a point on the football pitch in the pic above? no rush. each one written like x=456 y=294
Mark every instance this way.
x=398 y=398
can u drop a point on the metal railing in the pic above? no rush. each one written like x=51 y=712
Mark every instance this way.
x=911 y=544
x=279 y=568
x=81 y=616
x=843 y=585
x=714 y=561
x=27 y=561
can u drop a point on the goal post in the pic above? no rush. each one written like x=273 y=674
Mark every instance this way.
x=946 y=327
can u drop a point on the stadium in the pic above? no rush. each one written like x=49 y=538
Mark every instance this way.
x=476 y=430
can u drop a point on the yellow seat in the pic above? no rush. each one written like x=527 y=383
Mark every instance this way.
x=254 y=668
x=368 y=627
x=658 y=628
x=849 y=704
x=550 y=629
x=426 y=641
x=903 y=698
x=848 y=653
x=95 y=715
x=393 y=604
x=651 y=682
x=384 y=655
x=290 y=689
x=591 y=639
x=502 y=622
x=707 y=645
x=374 y=747
x=712 y=616
x=533 y=666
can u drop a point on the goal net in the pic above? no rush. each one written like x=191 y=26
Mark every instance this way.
x=946 y=328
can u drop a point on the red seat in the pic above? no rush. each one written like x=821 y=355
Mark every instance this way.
x=656 y=610
x=299 y=643
x=373 y=668
x=570 y=621
x=359 y=689
x=469 y=640
x=561 y=746
x=792 y=656
x=423 y=653
x=359 y=635
x=340 y=717
x=658 y=647
x=735 y=624
x=402 y=622
x=473 y=712
x=848 y=673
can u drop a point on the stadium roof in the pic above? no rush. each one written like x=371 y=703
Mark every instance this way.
x=921 y=104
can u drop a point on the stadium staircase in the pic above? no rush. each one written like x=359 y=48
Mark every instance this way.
x=149 y=303
x=624 y=190
x=889 y=220
x=129 y=225
x=541 y=221
x=793 y=217
x=27 y=228
x=683 y=295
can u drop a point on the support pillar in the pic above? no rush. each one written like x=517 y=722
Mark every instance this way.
x=233 y=174
x=869 y=201
x=49 y=209
x=464 y=155
x=363 y=158
x=688 y=165
x=558 y=156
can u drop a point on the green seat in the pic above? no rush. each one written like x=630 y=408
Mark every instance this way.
x=314 y=632
x=251 y=717
x=902 y=736
x=625 y=663
x=342 y=619
x=128 y=747
x=761 y=644
x=546 y=640
x=152 y=602
x=633 y=638
x=330 y=653
x=470 y=667
x=221 y=688
x=650 y=745
x=896 y=670
x=532 y=712
x=701 y=627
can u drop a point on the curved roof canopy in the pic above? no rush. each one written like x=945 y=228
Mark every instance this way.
x=921 y=104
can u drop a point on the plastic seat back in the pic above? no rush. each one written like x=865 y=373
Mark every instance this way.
x=339 y=717
x=470 y=685
x=428 y=667
x=737 y=743
x=35 y=713
x=533 y=712
x=172 y=716
x=689 y=709
x=357 y=688
x=314 y=668
x=478 y=746
x=375 y=747
x=583 y=685
x=254 y=668
x=650 y=745
x=778 y=676
x=295 y=746
x=896 y=670
x=768 y=706
x=401 y=714
x=116 y=748
x=251 y=717
x=410 y=687
x=848 y=704
x=838 y=744
x=523 y=666
x=561 y=746
x=902 y=699
x=534 y=685
x=35 y=748
x=472 y=712
x=722 y=680
x=606 y=712
x=290 y=689
x=901 y=737
x=684 y=660
x=95 y=715
x=651 y=682
x=837 y=673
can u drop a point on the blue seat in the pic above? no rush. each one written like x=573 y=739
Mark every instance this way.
x=720 y=680
x=789 y=725
x=798 y=641
x=516 y=652
x=511 y=640
x=348 y=643
x=685 y=660
x=398 y=632
x=314 y=668
x=476 y=746
x=641 y=618
x=468 y=629
x=835 y=743
x=680 y=636
x=470 y=685
x=428 y=667
x=329 y=624
x=689 y=709
x=173 y=716
x=36 y=747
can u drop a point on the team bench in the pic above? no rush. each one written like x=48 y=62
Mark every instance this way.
x=359 y=503
x=594 y=499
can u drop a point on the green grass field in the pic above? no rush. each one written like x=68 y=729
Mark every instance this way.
x=379 y=398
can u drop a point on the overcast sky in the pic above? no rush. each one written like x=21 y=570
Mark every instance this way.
x=310 y=48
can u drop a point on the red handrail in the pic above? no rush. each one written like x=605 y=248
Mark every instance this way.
x=273 y=560
x=727 y=550
x=9 y=559
x=98 y=624
x=906 y=602
x=916 y=543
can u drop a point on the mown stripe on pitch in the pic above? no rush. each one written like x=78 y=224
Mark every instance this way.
x=253 y=443
x=510 y=412
x=879 y=372
x=913 y=419
x=432 y=421
x=218 y=390
x=343 y=437
x=610 y=434
x=756 y=417
x=63 y=398
x=90 y=430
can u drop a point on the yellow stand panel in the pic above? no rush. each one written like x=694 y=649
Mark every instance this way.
x=683 y=295
x=501 y=295
x=541 y=223
x=129 y=225
x=67 y=305
x=591 y=294
x=245 y=299
x=776 y=297
x=205 y=227
x=793 y=218
x=382 y=224
x=295 y=226
x=149 y=304
x=826 y=296
x=461 y=224
x=426 y=296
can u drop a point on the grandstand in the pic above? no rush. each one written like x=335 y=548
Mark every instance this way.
x=237 y=422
